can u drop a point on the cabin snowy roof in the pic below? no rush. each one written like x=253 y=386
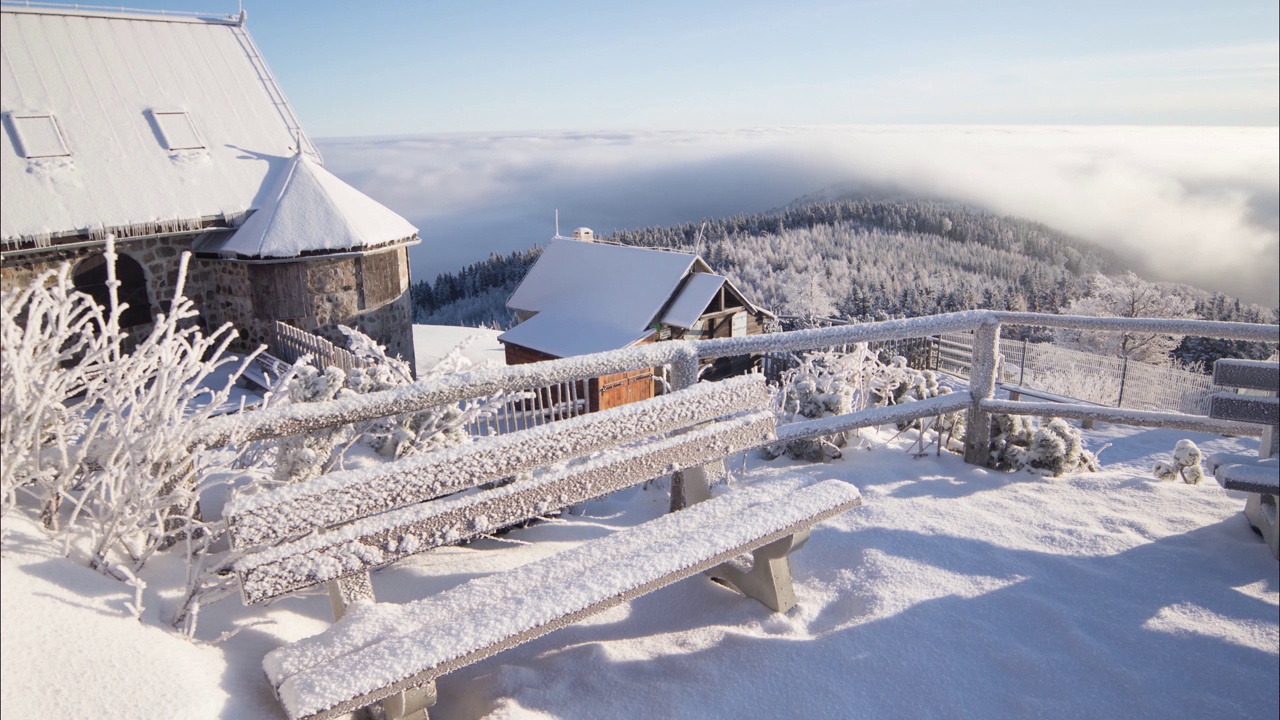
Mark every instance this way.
x=592 y=296
x=310 y=210
x=698 y=292
x=134 y=124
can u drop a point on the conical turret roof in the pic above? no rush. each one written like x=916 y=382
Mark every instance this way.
x=311 y=211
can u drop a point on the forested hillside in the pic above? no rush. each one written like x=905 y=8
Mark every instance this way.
x=861 y=260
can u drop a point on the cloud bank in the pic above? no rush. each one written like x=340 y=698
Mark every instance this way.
x=1196 y=205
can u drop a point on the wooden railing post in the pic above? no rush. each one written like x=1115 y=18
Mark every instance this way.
x=692 y=485
x=983 y=372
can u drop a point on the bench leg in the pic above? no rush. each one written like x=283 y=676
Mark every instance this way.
x=344 y=591
x=694 y=485
x=769 y=578
x=1261 y=511
x=411 y=704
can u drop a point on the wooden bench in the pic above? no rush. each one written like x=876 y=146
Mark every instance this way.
x=333 y=529
x=1257 y=475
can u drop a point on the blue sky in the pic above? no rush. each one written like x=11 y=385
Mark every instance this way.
x=394 y=67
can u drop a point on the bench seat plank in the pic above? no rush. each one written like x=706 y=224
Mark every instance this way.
x=343 y=496
x=1248 y=374
x=385 y=538
x=1237 y=471
x=1256 y=409
x=378 y=650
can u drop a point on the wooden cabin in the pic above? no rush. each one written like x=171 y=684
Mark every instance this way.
x=584 y=297
x=169 y=133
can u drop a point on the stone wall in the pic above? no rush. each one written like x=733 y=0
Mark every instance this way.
x=334 y=287
x=223 y=292
x=157 y=256
x=337 y=296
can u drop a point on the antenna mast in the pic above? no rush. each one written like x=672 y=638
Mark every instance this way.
x=558 y=236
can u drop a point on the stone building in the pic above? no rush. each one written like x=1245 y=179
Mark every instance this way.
x=169 y=133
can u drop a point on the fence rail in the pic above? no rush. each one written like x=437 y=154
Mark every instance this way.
x=1098 y=379
x=682 y=360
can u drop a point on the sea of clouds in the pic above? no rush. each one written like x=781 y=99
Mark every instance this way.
x=1196 y=205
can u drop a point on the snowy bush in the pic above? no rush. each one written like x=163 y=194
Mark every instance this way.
x=109 y=430
x=51 y=336
x=424 y=431
x=837 y=383
x=1185 y=464
x=304 y=456
x=1054 y=448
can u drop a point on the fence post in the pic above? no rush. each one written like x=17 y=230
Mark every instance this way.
x=1124 y=372
x=692 y=485
x=1022 y=366
x=983 y=369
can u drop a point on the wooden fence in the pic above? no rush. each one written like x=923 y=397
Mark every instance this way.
x=289 y=343
x=682 y=360
x=530 y=408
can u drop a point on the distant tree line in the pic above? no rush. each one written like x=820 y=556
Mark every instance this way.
x=859 y=259
x=475 y=295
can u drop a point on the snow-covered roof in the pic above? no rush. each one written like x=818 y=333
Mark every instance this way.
x=698 y=292
x=591 y=297
x=134 y=123
x=310 y=210
x=566 y=334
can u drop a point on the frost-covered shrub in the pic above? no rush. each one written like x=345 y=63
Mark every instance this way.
x=305 y=456
x=308 y=455
x=1054 y=448
x=122 y=452
x=424 y=431
x=51 y=334
x=1185 y=464
x=831 y=383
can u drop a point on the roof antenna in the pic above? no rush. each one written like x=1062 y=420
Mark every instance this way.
x=558 y=236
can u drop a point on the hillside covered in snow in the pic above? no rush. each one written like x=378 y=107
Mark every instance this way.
x=861 y=259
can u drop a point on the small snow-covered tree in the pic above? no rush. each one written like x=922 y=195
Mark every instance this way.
x=304 y=456
x=1185 y=464
x=1126 y=296
x=50 y=335
x=811 y=300
x=1054 y=448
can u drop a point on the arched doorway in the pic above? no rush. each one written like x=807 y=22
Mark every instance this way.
x=90 y=277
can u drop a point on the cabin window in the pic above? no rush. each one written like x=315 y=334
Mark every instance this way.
x=177 y=131
x=739 y=325
x=38 y=135
x=90 y=277
x=380 y=278
x=280 y=291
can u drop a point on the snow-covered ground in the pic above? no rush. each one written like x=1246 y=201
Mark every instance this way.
x=432 y=342
x=953 y=592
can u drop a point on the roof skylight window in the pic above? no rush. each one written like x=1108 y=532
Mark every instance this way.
x=177 y=130
x=38 y=135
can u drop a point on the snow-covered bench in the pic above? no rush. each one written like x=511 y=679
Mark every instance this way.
x=1257 y=475
x=333 y=529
